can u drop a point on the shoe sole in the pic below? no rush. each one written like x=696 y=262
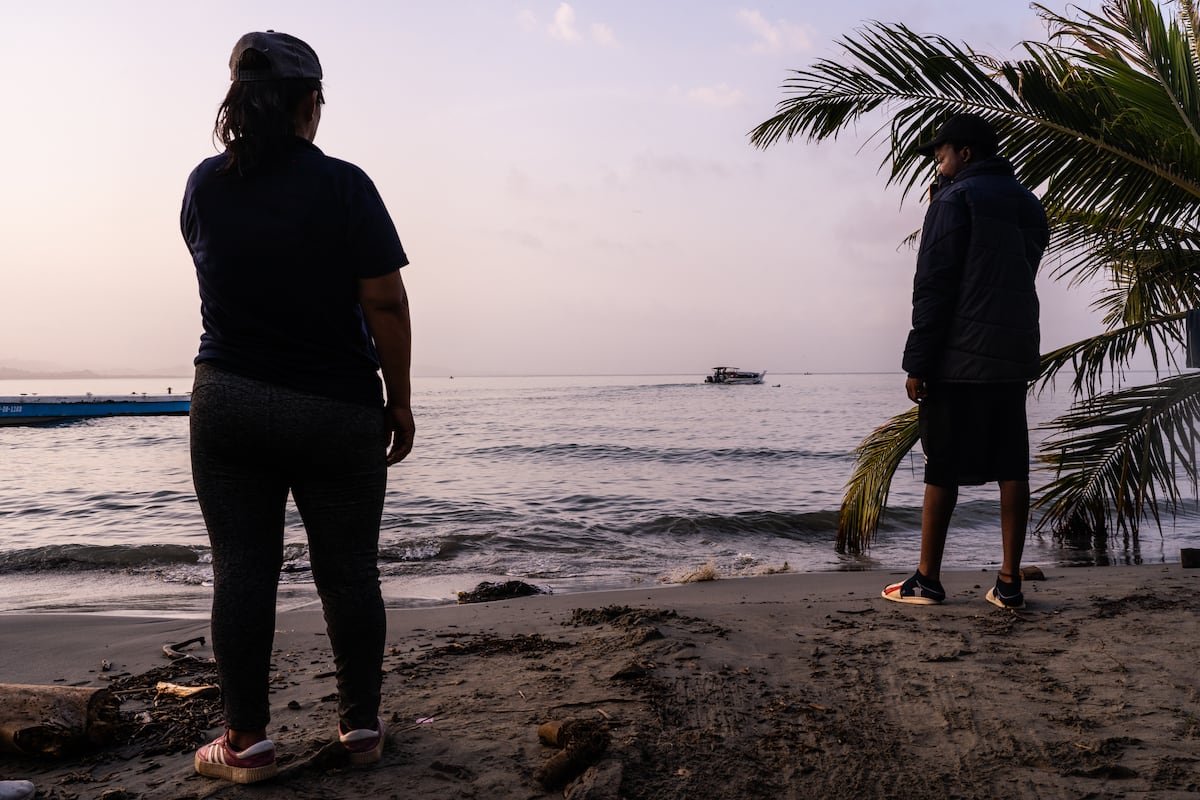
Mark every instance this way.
x=914 y=600
x=372 y=756
x=995 y=600
x=235 y=774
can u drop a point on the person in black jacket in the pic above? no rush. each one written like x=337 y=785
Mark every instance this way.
x=973 y=347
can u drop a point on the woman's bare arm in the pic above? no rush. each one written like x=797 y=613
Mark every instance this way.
x=384 y=303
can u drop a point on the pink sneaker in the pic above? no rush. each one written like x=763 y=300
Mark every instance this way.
x=364 y=746
x=218 y=760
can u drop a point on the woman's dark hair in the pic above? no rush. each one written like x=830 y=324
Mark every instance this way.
x=257 y=117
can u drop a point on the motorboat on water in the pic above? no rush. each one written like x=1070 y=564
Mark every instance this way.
x=733 y=376
x=34 y=409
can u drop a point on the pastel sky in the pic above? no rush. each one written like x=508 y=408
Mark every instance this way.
x=573 y=181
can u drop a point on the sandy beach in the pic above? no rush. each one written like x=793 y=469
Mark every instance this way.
x=783 y=686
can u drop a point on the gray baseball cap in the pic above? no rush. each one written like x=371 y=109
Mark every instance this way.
x=287 y=56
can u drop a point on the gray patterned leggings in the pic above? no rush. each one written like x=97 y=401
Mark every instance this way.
x=252 y=442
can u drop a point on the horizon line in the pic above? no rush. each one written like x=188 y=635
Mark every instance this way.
x=86 y=374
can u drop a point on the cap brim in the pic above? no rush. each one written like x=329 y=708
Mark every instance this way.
x=927 y=149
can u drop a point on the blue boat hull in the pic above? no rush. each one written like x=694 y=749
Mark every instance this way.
x=32 y=410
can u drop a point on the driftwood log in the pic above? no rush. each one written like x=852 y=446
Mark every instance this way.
x=55 y=720
x=583 y=743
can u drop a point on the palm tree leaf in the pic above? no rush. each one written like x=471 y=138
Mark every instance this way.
x=1109 y=353
x=867 y=490
x=1090 y=250
x=1118 y=455
x=1069 y=117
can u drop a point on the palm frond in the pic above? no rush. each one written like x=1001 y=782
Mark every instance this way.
x=1191 y=26
x=1119 y=455
x=1148 y=284
x=1126 y=77
x=867 y=490
x=1090 y=250
x=1072 y=119
x=921 y=78
x=1149 y=280
x=1129 y=43
x=1109 y=353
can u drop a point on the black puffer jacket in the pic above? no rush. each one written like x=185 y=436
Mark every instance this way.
x=975 y=308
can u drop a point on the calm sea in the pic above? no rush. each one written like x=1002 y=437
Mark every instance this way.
x=570 y=483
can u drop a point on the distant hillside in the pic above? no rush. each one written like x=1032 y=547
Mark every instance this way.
x=20 y=373
x=12 y=373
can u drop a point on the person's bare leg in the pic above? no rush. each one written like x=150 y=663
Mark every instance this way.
x=935 y=523
x=1014 y=518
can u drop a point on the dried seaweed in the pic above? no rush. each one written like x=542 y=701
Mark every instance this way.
x=154 y=723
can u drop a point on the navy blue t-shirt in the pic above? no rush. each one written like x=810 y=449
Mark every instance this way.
x=278 y=256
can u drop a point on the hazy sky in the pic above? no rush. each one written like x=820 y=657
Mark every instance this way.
x=572 y=181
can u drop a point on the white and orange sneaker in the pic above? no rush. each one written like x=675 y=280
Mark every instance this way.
x=917 y=590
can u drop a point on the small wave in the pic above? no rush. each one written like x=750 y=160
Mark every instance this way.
x=788 y=525
x=807 y=525
x=470 y=515
x=401 y=552
x=667 y=455
x=64 y=557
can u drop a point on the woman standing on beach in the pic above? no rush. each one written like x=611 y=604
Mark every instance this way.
x=302 y=304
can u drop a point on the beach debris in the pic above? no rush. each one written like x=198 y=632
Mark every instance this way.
x=548 y=732
x=175 y=651
x=528 y=645
x=708 y=572
x=105 y=665
x=1032 y=573
x=120 y=793
x=488 y=591
x=164 y=723
x=620 y=616
x=175 y=690
x=631 y=671
x=583 y=743
x=55 y=721
x=601 y=782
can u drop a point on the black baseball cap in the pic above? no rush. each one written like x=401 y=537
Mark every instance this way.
x=287 y=56
x=964 y=129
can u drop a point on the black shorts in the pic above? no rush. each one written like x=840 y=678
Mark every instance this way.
x=974 y=433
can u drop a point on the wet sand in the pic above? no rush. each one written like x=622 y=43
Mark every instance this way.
x=783 y=686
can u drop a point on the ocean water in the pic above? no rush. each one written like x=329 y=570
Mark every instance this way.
x=569 y=483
